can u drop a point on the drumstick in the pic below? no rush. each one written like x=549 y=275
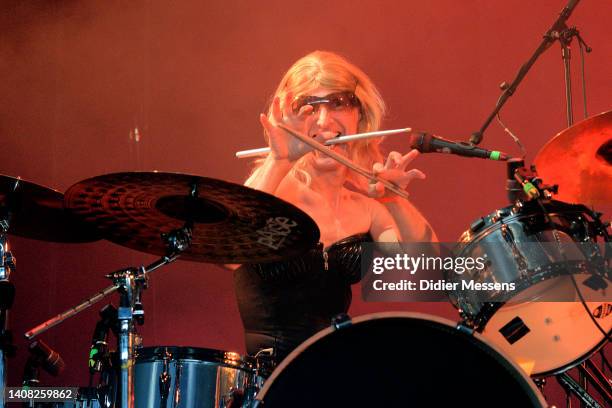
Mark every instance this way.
x=343 y=160
x=342 y=139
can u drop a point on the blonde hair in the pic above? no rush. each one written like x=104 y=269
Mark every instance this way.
x=324 y=69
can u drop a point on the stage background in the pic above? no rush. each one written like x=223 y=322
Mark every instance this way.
x=77 y=77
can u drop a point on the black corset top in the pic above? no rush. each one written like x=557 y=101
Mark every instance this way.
x=283 y=303
x=342 y=258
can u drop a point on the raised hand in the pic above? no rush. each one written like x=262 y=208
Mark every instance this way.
x=394 y=170
x=283 y=146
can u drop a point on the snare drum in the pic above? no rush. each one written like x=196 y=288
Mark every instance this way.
x=397 y=359
x=169 y=376
x=543 y=327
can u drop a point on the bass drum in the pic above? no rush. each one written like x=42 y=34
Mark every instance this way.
x=190 y=377
x=397 y=359
x=543 y=325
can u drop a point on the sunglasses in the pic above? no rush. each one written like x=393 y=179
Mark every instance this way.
x=336 y=101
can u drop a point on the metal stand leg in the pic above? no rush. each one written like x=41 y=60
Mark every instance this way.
x=590 y=375
x=594 y=376
x=2 y=378
x=571 y=386
x=583 y=383
x=566 y=55
x=7 y=294
x=126 y=326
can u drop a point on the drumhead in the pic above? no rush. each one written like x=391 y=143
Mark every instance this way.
x=398 y=359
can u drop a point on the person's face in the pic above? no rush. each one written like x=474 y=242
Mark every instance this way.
x=332 y=117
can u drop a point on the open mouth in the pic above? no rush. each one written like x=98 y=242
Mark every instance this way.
x=324 y=136
x=338 y=148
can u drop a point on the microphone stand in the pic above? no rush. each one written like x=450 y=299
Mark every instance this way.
x=558 y=30
x=565 y=36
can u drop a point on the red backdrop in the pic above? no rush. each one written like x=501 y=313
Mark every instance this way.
x=192 y=76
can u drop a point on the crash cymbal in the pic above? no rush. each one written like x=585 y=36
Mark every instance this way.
x=38 y=212
x=231 y=223
x=579 y=160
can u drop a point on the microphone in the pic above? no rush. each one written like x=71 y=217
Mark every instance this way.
x=427 y=143
x=30 y=372
x=50 y=360
x=98 y=348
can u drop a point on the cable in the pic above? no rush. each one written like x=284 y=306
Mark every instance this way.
x=584 y=98
x=583 y=47
x=512 y=135
x=515 y=138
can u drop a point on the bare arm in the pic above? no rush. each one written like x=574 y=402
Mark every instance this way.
x=411 y=224
x=269 y=176
x=400 y=228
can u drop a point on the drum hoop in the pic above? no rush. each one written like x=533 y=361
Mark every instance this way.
x=486 y=231
x=182 y=353
x=383 y=315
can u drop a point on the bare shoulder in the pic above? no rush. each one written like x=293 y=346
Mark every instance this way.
x=290 y=189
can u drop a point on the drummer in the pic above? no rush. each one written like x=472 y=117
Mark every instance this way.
x=323 y=96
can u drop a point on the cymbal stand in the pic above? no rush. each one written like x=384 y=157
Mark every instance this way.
x=7 y=294
x=564 y=34
x=565 y=38
x=130 y=283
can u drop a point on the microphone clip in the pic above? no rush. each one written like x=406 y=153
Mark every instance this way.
x=532 y=184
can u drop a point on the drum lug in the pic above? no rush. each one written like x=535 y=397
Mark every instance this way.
x=509 y=238
x=341 y=321
x=137 y=341
x=164 y=379
x=518 y=206
x=540 y=383
x=177 y=383
x=478 y=224
x=464 y=328
x=466 y=320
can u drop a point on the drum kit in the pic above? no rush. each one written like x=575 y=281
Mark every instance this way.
x=373 y=360
x=549 y=240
